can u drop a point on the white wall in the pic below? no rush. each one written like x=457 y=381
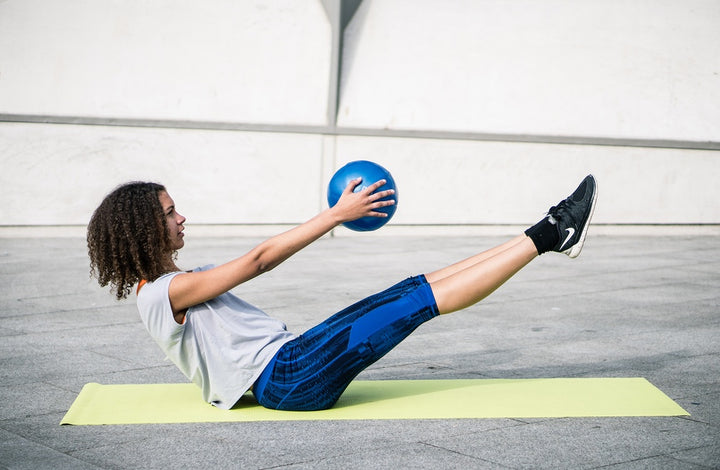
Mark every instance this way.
x=215 y=177
x=483 y=87
x=219 y=60
x=56 y=175
x=470 y=182
x=644 y=69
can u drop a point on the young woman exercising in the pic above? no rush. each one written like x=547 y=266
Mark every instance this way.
x=227 y=346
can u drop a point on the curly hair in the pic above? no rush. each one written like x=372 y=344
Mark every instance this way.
x=127 y=238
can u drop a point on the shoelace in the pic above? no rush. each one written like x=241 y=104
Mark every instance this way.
x=556 y=212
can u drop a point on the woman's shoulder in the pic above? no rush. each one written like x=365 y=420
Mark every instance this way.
x=165 y=279
x=149 y=291
x=158 y=287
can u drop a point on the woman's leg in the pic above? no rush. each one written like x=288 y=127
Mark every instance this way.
x=466 y=263
x=311 y=371
x=562 y=230
x=459 y=288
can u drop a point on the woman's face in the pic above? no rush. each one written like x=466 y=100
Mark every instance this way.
x=174 y=221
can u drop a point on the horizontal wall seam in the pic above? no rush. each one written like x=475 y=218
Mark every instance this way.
x=363 y=132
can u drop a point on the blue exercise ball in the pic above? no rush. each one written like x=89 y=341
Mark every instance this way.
x=370 y=173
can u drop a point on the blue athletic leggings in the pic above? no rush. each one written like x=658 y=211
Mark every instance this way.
x=311 y=371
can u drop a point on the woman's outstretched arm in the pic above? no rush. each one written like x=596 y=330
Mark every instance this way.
x=191 y=289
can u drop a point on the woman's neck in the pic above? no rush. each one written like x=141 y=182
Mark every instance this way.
x=170 y=266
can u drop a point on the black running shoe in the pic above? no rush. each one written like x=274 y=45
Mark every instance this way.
x=572 y=217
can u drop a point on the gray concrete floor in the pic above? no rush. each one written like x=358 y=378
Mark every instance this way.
x=629 y=306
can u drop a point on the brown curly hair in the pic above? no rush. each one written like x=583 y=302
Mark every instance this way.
x=127 y=238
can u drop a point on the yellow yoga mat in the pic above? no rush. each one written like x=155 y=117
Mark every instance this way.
x=386 y=399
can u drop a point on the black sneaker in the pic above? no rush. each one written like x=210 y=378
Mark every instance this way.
x=572 y=217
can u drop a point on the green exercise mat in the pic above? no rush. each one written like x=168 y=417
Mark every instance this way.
x=386 y=399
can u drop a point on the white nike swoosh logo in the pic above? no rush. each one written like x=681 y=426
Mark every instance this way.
x=571 y=232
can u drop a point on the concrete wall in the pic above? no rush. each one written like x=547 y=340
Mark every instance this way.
x=220 y=60
x=633 y=69
x=485 y=111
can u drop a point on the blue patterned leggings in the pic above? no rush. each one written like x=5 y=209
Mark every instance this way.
x=311 y=371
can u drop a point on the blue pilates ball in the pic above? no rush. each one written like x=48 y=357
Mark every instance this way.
x=370 y=173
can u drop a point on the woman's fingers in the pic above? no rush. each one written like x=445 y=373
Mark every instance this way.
x=373 y=192
x=352 y=185
x=375 y=186
x=380 y=204
x=367 y=200
x=370 y=189
x=376 y=196
x=382 y=194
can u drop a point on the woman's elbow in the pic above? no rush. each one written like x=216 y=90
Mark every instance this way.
x=263 y=263
x=264 y=258
x=263 y=267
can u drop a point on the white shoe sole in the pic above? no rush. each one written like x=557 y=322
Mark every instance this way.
x=574 y=251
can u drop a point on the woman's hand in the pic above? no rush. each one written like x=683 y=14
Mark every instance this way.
x=354 y=205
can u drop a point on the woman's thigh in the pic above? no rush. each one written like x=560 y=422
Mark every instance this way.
x=311 y=371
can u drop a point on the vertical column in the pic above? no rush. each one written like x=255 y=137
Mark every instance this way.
x=339 y=13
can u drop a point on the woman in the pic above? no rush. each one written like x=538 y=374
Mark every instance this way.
x=227 y=346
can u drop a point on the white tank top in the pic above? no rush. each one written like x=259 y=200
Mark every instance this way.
x=224 y=344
